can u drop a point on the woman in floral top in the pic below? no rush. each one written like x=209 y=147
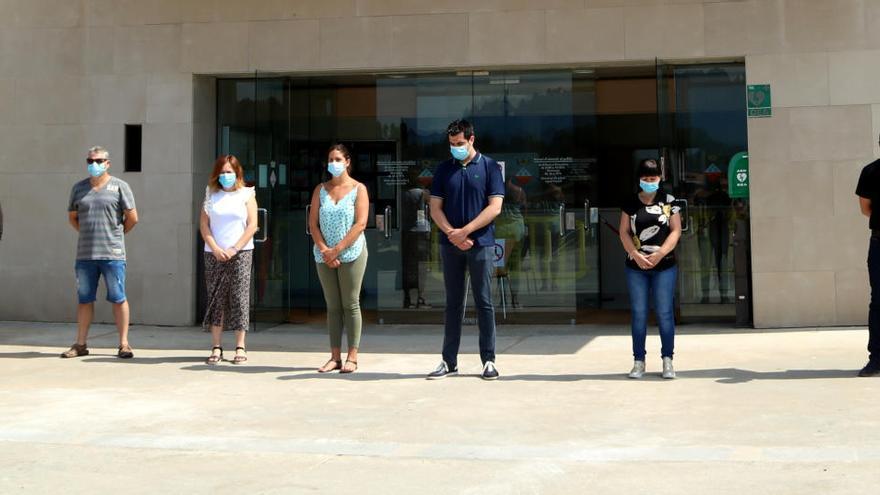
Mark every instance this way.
x=337 y=220
x=650 y=228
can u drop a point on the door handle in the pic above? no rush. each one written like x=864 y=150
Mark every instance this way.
x=587 y=215
x=265 y=229
x=308 y=220
x=388 y=222
x=562 y=220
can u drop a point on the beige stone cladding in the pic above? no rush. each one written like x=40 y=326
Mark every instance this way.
x=73 y=72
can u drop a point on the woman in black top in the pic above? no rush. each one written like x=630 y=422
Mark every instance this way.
x=650 y=228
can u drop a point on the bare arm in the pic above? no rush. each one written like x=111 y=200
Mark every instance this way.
x=865 y=205
x=492 y=210
x=674 y=235
x=438 y=216
x=443 y=224
x=487 y=216
x=73 y=218
x=205 y=230
x=626 y=235
x=314 y=225
x=626 y=238
x=130 y=220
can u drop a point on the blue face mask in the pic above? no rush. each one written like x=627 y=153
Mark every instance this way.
x=97 y=169
x=459 y=152
x=336 y=168
x=649 y=187
x=227 y=179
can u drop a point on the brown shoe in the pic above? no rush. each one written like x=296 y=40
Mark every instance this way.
x=76 y=350
x=125 y=352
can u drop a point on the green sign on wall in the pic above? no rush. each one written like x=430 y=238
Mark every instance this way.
x=738 y=176
x=759 y=100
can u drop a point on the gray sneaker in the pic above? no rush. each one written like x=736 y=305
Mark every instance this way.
x=638 y=370
x=441 y=371
x=668 y=370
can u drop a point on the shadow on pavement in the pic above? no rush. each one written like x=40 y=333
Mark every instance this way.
x=244 y=368
x=721 y=375
x=30 y=355
x=358 y=376
x=145 y=360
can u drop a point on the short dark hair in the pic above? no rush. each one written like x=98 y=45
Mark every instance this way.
x=460 y=126
x=649 y=168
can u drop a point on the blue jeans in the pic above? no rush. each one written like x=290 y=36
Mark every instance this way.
x=661 y=285
x=88 y=273
x=874 y=308
x=480 y=263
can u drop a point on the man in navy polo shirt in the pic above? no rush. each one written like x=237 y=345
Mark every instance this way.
x=466 y=196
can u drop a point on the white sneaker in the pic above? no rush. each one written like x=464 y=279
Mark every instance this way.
x=638 y=370
x=668 y=370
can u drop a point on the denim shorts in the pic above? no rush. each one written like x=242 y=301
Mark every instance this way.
x=89 y=271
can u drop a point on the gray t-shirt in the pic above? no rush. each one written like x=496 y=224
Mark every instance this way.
x=100 y=216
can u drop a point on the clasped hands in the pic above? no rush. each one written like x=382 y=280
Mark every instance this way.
x=459 y=238
x=224 y=255
x=646 y=262
x=331 y=257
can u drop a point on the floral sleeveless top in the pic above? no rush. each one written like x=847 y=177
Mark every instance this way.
x=336 y=220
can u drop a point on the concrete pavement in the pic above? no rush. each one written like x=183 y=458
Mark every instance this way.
x=771 y=411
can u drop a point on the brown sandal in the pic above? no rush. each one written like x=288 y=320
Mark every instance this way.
x=355 y=363
x=76 y=350
x=337 y=366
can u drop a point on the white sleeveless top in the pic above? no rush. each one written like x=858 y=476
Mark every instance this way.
x=228 y=214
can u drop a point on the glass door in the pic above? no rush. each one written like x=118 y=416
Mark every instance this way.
x=525 y=121
x=411 y=114
x=702 y=134
x=267 y=170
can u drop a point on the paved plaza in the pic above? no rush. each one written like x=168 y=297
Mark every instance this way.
x=752 y=411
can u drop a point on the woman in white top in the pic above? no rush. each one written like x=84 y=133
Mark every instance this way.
x=228 y=224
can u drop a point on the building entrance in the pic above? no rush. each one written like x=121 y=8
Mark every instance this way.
x=568 y=141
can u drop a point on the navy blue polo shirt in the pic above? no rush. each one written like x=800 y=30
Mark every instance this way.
x=465 y=191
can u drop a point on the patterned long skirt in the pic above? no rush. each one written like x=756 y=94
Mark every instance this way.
x=228 y=285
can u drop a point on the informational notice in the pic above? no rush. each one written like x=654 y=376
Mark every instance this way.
x=553 y=170
x=556 y=170
x=394 y=172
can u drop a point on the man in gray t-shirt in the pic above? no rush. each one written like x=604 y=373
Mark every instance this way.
x=102 y=210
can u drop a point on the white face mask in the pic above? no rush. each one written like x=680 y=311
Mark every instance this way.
x=336 y=168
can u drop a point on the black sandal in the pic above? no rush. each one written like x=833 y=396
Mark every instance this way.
x=214 y=358
x=239 y=358
x=338 y=366
x=355 y=363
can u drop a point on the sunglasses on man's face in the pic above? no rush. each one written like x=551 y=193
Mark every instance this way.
x=95 y=160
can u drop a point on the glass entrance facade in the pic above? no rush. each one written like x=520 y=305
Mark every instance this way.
x=568 y=141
